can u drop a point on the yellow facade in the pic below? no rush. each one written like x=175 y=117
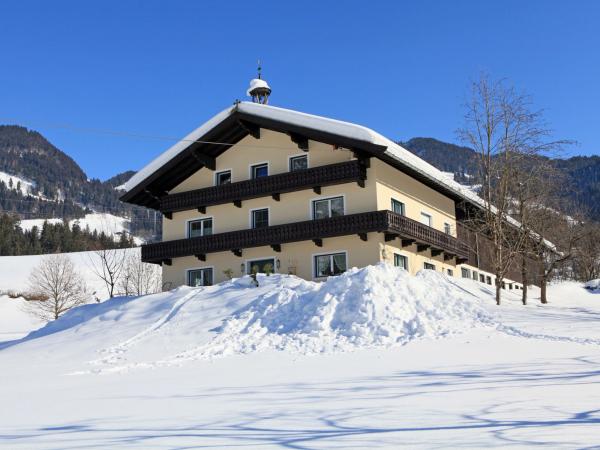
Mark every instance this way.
x=382 y=184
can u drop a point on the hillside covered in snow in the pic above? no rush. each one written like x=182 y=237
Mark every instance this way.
x=373 y=358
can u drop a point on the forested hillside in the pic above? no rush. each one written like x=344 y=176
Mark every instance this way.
x=581 y=173
x=39 y=181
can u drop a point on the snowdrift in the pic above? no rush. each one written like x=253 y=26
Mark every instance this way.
x=373 y=306
x=593 y=286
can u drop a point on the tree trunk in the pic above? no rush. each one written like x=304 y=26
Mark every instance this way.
x=498 y=292
x=524 y=280
x=543 y=282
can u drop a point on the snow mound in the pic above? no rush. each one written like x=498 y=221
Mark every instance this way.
x=593 y=285
x=373 y=306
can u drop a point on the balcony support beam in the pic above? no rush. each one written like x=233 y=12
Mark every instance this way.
x=407 y=242
x=317 y=190
x=202 y=209
x=422 y=247
x=168 y=215
x=201 y=257
x=167 y=262
x=237 y=252
x=276 y=196
x=237 y=203
x=436 y=252
x=363 y=236
x=318 y=242
x=390 y=237
x=276 y=248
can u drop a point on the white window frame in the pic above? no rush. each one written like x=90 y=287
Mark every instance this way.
x=305 y=154
x=404 y=256
x=324 y=197
x=195 y=219
x=187 y=274
x=248 y=265
x=448 y=226
x=261 y=163
x=221 y=171
x=392 y=200
x=331 y=253
x=424 y=213
x=251 y=216
x=468 y=272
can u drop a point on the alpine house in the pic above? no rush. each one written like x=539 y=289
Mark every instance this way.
x=262 y=188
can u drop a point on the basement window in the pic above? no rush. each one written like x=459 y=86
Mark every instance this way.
x=328 y=265
x=400 y=261
x=200 y=277
x=450 y=272
x=481 y=278
x=465 y=273
x=429 y=266
x=488 y=280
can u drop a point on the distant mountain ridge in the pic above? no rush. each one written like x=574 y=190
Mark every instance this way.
x=59 y=187
x=581 y=172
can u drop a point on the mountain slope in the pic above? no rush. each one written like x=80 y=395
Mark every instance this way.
x=38 y=181
x=582 y=173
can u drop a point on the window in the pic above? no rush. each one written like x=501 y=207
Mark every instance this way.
x=260 y=170
x=202 y=227
x=488 y=280
x=260 y=218
x=397 y=207
x=429 y=266
x=400 y=261
x=447 y=228
x=329 y=207
x=327 y=265
x=450 y=272
x=298 y=163
x=426 y=219
x=503 y=285
x=475 y=275
x=465 y=273
x=200 y=277
x=510 y=286
x=223 y=177
x=482 y=278
x=261 y=265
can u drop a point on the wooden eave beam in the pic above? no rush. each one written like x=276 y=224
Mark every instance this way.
x=252 y=129
x=301 y=141
x=207 y=161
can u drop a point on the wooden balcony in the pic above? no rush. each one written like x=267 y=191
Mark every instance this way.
x=273 y=185
x=393 y=225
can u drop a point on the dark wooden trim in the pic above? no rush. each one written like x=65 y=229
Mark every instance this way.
x=273 y=185
x=202 y=209
x=317 y=190
x=207 y=161
x=363 y=236
x=276 y=248
x=237 y=203
x=276 y=196
x=390 y=237
x=407 y=242
x=315 y=230
x=168 y=215
x=422 y=247
x=252 y=129
x=201 y=257
x=436 y=252
x=237 y=252
x=301 y=141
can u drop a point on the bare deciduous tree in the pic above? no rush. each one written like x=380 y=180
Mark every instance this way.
x=586 y=264
x=504 y=132
x=56 y=279
x=139 y=278
x=108 y=266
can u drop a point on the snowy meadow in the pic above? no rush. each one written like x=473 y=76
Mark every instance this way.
x=373 y=358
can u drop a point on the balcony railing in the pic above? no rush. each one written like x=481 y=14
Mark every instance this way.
x=316 y=177
x=392 y=224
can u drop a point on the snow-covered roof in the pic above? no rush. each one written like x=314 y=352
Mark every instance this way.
x=257 y=83
x=349 y=130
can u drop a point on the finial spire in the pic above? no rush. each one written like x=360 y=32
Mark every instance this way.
x=259 y=89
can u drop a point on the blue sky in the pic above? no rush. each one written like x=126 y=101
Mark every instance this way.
x=400 y=67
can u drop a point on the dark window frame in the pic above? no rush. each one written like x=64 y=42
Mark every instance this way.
x=331 y=264
x=202 y=221
x=254 y=167
x=398 y=257
x=253 y=217
x=328 y=199
x=222 y=172
x=402 y=207
x=294 y=158
x=202 y=270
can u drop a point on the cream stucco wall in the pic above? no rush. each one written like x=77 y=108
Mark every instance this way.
x=417 y=197
x=272 y=147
